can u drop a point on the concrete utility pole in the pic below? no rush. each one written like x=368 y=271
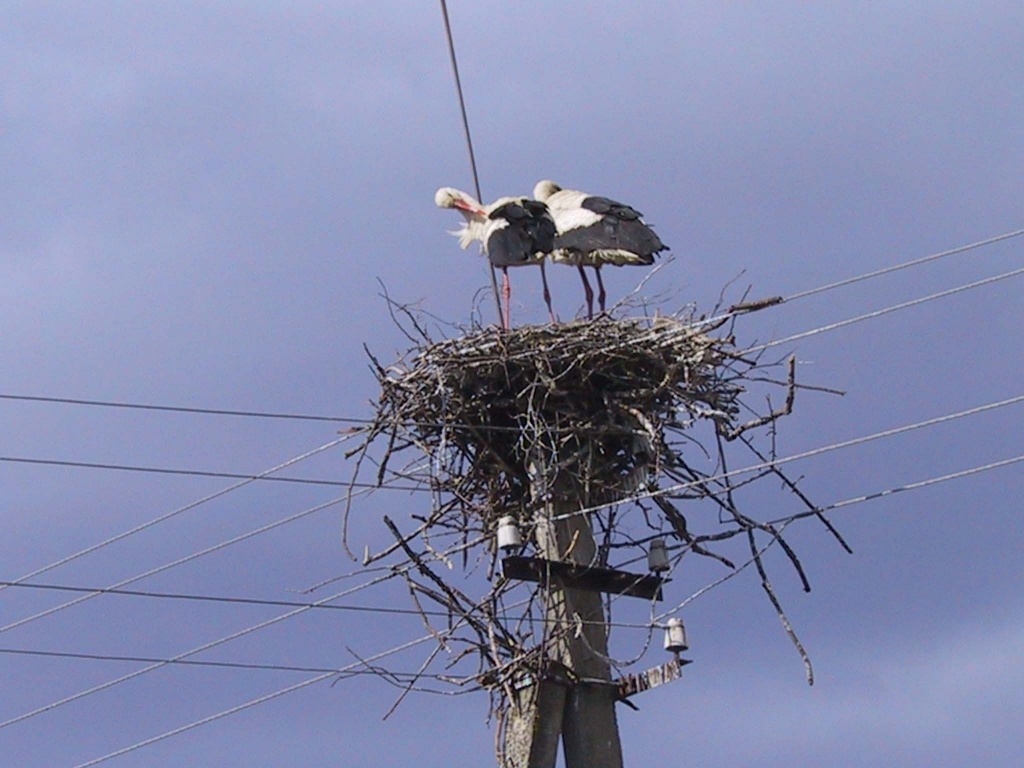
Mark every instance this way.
x=582 y=713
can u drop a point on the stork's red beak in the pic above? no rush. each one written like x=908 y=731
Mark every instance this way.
x=462 y=205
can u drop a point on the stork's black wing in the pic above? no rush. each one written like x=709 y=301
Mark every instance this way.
x=605 y=206
x=530 y=231
x=533 y=219
x=619 y=229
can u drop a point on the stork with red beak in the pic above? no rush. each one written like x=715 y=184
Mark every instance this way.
x=512 y=231
x=594 y=231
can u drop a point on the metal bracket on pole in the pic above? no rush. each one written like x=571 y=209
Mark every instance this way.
x=584 y=577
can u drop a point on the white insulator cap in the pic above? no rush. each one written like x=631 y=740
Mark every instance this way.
x=657 y=556
x=675 y=636
x=508 y=534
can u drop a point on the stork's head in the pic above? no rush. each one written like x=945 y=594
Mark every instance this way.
x=449 y=197
x=545 y=189
x=476 y=217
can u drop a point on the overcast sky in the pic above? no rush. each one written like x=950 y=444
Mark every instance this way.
x=197 y=201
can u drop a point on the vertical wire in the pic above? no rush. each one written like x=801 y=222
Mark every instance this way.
x=469 y=141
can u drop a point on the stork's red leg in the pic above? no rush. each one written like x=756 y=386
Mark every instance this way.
x=506 y=292
x=601 y=296
x=588 y=291
x=547 y=293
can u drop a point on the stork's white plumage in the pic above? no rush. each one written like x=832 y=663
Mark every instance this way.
x=512 y=232
x=594 y=231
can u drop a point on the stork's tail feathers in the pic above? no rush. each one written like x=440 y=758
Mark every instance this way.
x=463 y=233
x=616 y=257
x=470 y=231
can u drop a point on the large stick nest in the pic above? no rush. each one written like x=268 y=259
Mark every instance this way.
x=627 y=417
x=595 y=393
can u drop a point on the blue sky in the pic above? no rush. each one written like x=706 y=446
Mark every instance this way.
x=197 y=201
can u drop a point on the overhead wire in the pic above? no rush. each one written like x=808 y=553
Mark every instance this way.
x=873 y=274
x=180 y=510
x=254 y=702
x=233 y=636
x=222 y=599
x=408 y=676
x=647 y=494
x=885 y=311
x=182 y=409
x=786 y=521
x=314 y=481
x=392 y=573
x=199 y=649
x=469 y=138
x=901 y=488
x=192 y=597
x=903 y=265
x=844 y=503
x=198 y=473
x=175 y=563
x=798 y=456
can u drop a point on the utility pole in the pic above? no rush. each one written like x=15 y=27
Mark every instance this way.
x=579 y=706
x=529 y=428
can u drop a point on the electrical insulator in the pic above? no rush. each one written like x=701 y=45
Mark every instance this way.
x=509 y=539
x=675 y=636
x=657 y=556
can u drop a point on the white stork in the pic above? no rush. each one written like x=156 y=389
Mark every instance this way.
x=594 y=231
x=512 y=231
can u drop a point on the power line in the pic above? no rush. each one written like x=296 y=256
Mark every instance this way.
x=902 y=488
x=659 y=492
x=199 y=473
x=117 y=589
x=213 y=644
x=179 y=510
x=904 y=265
x=192 y=652
x=885 y=311
x=361 y=663
x=192 y=597
x=182 y=409
x=407 y=676
x=841 y=504
x=649 y=494
x=469 y=138
x=253 y=702
x=875 y=273
x=174 y=563
x=798 y=456
x=225 y=599
x=350 y=420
